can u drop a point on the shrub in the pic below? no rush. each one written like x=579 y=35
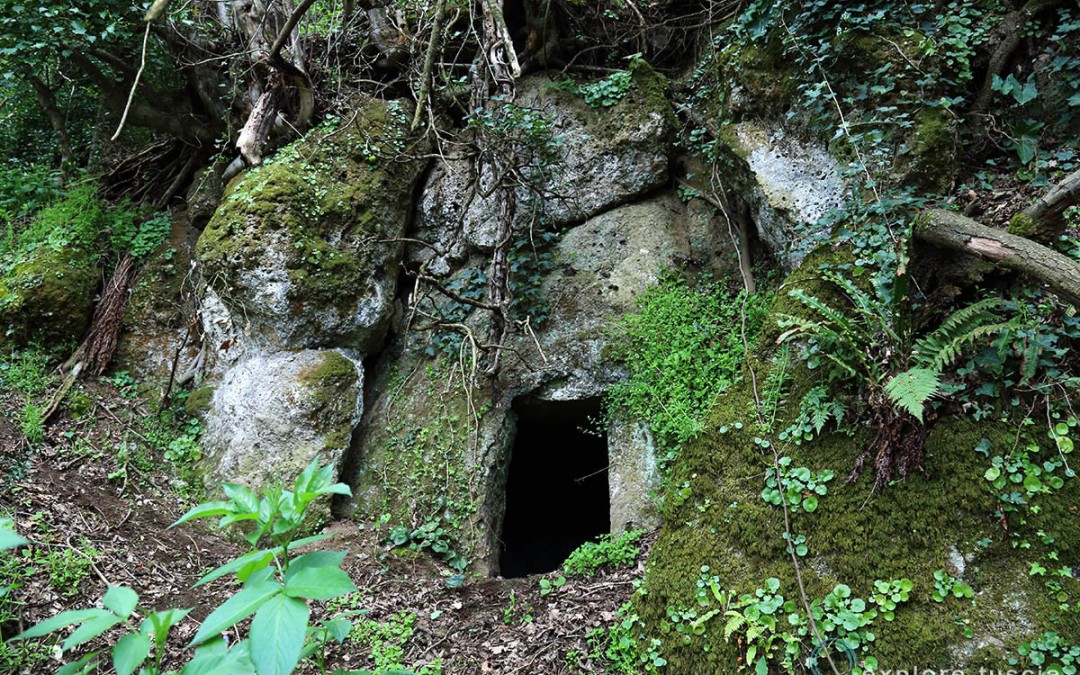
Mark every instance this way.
x=608 y=551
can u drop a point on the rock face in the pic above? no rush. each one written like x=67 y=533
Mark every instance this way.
x=159 y=320
x=425 y=418
x=608 y=157
x=912 y=529
x=306 y=248
x=300 y=258
x=788 y=184
x=272 y=415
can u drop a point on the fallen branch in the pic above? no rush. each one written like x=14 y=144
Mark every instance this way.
x=953 y=231
x=97 y=349
x=1050 y=208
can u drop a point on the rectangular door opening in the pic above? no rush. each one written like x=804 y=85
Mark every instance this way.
x=557 y=485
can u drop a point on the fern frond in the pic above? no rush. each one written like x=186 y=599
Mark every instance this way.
x=734 y=623
x=910 y=389
x=943 y=346
x=827 y=311
x=871 y=308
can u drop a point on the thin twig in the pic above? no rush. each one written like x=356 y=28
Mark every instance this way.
x=134 y=85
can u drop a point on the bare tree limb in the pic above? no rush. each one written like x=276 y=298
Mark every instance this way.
x=1009 y=30
x=134 y=85
x=1050 y=208
x=953 y=231
x=47 y=101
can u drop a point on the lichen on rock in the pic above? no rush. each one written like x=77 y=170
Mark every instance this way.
x=273 y=414
x=304 y=250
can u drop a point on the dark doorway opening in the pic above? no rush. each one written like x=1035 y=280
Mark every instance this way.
x=557 y=485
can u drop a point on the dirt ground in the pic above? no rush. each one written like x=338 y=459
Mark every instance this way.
x=81 y=497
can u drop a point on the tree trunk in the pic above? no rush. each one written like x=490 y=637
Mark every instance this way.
x=950 y=230
x=256 y=130
x=47 y=101
x=1050 y=209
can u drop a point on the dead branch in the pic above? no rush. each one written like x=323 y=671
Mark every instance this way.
x=953 y=231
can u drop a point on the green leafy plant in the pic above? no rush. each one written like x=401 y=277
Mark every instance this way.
x=681 y=347
x=549 y=586
x=609 y=551
x=871 y=341
x=798 y=486
x=889 y=594
x=430 y=536
x=774 y=630
x=621 y=645
x=816 y=409
x=277 y=584
x=386 y=641
x=946 y=585
x=1050 y=653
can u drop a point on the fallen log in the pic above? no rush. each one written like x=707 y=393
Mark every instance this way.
x=953 y=231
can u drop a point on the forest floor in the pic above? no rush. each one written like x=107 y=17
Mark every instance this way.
x=96 y=496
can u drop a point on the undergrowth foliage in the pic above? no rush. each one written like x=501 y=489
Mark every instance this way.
x=278 y=585
x=682 y=347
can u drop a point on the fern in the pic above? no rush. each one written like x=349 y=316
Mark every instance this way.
x=943 y=346
x=734 y=623
x=819 y=408
x=910 y=389
x=873 y=310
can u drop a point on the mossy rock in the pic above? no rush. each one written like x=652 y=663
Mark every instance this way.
x=154 y=341
x=306 y=248
x=946 y=520
x=934 y=149
x=429 y=449
x=198 y=402
x=273 y=414
x=48 y=297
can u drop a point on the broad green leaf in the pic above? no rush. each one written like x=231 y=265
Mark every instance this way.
x=243 y=496
x=810 y=503
x=256 y=558
x=61 y=620
x=336 y=489
x=317 y=559
x=86 y=664
x=236 y=609
x=217 y=658
x=120 y=600
x=338 y=628
x=130 y=652
x=318 y=583
x=992 y=473
x=277 y=635
x=90 y=629
x=8 y=537
x=206 y=510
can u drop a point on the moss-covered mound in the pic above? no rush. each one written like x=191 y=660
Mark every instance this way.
x=947 y=522
x=306 y=248
x=47 y=298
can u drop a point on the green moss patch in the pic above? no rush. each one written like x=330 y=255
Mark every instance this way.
x=48 y=297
